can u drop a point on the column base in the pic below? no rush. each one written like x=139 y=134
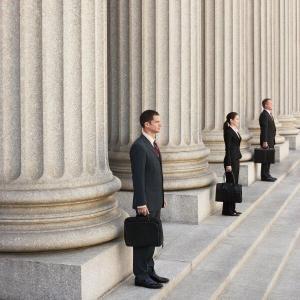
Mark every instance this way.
x=282 y=151
x=249 y=172
x=289 y=131
x=297 y=121
x=188 y=206
x=213 y=139
x=254 y=129
x=82 y=274
x=294 y=141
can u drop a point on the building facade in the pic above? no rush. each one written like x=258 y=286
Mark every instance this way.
x=75 y=76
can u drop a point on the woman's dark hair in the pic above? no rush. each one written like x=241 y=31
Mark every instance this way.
x=147 y=116
x=230 y=116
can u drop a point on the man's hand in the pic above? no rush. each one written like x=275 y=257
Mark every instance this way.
x=265 y=145
x=228 y=169
x=143 y=210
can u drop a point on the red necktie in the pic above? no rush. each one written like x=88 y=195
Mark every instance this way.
x=156 y=149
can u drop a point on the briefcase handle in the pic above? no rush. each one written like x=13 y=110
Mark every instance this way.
x=148 y=218
x=224 y=177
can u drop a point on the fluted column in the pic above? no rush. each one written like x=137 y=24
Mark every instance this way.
x=155 y=57
x=225 y=87
x=263 y=62
x=286 y=70
x=296 y=107
x=56 y=188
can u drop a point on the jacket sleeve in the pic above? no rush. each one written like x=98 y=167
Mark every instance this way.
x=227 y=140
x=138 y=166
x=264 y=127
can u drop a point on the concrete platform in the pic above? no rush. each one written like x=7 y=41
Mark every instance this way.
x=294 y=141
x=83 y=274
x=189 y=207
x=282 y=151
x=249 y=172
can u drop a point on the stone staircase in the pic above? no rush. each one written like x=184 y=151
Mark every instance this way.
x=252 y=256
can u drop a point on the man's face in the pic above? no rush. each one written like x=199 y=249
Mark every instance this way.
x=269 y=105
x=154 y=125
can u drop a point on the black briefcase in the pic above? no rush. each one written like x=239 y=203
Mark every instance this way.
x=229 y=192
x=143 y=231
x=264 y=155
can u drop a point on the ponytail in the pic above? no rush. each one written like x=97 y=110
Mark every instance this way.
x=226 y=125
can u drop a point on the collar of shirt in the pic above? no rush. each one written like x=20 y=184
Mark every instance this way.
x=148 y=137
x=235 y=129
x=270 y=113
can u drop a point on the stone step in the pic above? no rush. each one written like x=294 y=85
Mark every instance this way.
x=188 y=245
x=210 y=278
x=286 y=285
x=256 y=278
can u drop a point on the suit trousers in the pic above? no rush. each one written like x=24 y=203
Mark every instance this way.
x=265 y=171
x=143 y=263
x=229 y=207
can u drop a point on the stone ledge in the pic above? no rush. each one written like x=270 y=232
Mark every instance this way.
x=294 y=141
x=190 y=206
x=249 y=172
x=83 y=274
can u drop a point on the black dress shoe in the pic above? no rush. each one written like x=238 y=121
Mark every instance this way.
x=232 y=214
x=269 y=179
x=158 y=279
x=148 y=283
x=237 y=212
x=274 y=178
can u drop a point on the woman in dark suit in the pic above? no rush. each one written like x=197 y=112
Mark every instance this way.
x=232 y=158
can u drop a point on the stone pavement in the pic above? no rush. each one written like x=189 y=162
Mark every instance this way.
x=254 y=256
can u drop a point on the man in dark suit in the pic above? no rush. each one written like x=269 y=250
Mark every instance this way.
x=148 y=199
x=267 y=136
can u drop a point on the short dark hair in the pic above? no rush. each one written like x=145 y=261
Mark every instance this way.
x=264 y=102
x=147 y=116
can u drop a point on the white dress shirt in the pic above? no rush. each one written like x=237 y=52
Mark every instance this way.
x=148 y=137
x=269 y=111
x=236 y=131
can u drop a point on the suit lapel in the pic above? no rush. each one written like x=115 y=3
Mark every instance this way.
x=150 y=147
x=237 y=136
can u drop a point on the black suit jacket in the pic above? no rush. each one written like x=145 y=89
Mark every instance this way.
x=232 y=146
x=267 y=129
x=147 y=175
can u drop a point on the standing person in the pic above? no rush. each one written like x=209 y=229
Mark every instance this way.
x=267 y=136
x=148 y=199
x=232 y=158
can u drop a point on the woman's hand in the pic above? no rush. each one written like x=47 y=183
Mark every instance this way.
x=265 y=145
x=228 y=169
x=143 y=210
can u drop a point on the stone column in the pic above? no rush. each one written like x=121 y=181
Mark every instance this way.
x=263 y=66
x=296 y=107
x=56 y=189
x=225 y=86
x=288 y=129
x=155 y=63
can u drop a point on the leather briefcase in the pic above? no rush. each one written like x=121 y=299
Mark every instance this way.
x=229 y=192
x=143 y=231
x=264 y=155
